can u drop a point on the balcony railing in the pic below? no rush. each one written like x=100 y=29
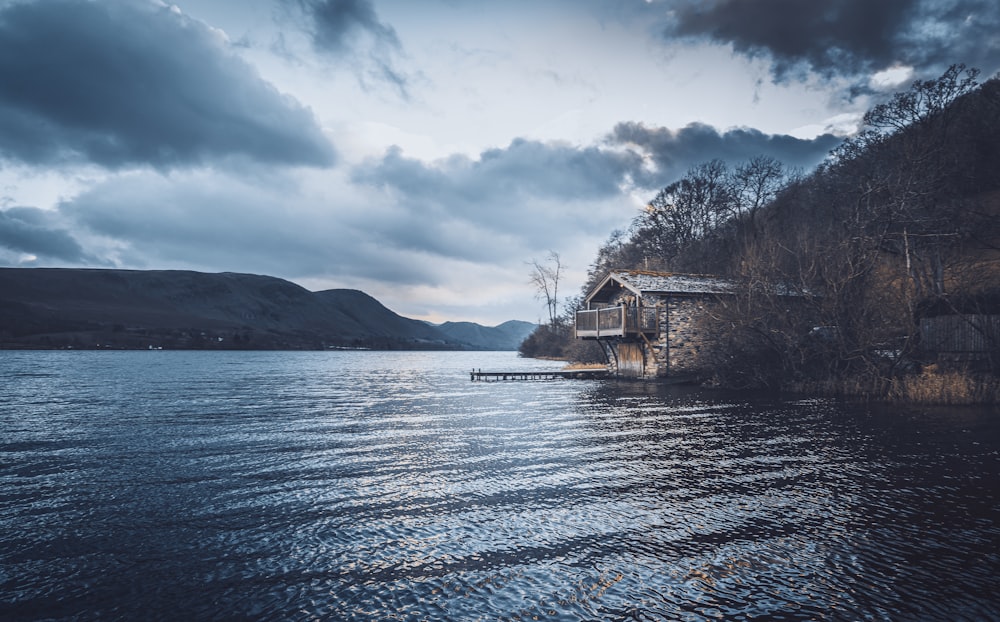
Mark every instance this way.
x=616 y=322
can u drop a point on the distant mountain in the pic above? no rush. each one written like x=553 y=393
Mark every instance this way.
x=89 y=308
x=506 y=336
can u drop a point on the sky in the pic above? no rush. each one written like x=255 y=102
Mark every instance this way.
x=424 y=152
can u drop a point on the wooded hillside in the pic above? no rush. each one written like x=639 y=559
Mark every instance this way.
x=899 y=223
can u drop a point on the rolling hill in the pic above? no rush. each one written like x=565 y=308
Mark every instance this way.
x=95 y=308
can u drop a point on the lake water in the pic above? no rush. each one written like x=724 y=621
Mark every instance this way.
x=387 y=486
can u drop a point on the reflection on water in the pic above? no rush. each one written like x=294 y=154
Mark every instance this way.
x=373 y=486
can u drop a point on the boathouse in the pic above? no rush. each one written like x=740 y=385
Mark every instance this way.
x=966 y=338
x=653 y=324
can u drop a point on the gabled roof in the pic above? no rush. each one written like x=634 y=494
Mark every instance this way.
x=641 y=282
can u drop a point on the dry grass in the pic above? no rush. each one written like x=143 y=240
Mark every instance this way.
x=933 y=386
x=576 y=366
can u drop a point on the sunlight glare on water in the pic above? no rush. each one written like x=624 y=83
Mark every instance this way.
x=386 y=485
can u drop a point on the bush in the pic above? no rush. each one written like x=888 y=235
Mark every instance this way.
x=545 y=342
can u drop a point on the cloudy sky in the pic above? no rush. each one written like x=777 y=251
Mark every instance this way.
x=420 y=150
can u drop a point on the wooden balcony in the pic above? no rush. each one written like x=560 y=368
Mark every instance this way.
x=616 y=322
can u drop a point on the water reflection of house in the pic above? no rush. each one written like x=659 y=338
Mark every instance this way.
x=651 y=324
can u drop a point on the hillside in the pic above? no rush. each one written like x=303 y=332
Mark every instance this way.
x=506 y=336
x=89 y=308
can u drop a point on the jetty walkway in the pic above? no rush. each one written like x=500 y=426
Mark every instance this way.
x=499 y=376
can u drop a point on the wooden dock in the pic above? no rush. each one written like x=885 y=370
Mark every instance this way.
x=499 y=376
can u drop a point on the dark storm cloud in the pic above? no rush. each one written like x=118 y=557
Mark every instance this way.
x=847 y=37
x=29 y=230
x=125 y=83
x=675 y=151
x=523 y=168
x=503 y=191
x=335 y=26
x=532 y=188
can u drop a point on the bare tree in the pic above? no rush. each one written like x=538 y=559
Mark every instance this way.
x=910 y=167
x=545 y=277
x=925 y=100
x=688 y=210
x=756 y=183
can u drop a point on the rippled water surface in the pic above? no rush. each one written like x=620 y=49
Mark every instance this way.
x=387 y=486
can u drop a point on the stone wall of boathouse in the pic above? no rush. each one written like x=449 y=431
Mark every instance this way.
x=687 y=334
x=684 y=345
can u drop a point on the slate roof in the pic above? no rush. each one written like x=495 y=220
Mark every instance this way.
x=643 y=282
x=669 y=283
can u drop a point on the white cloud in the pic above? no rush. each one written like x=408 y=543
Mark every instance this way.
x=891 y=77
